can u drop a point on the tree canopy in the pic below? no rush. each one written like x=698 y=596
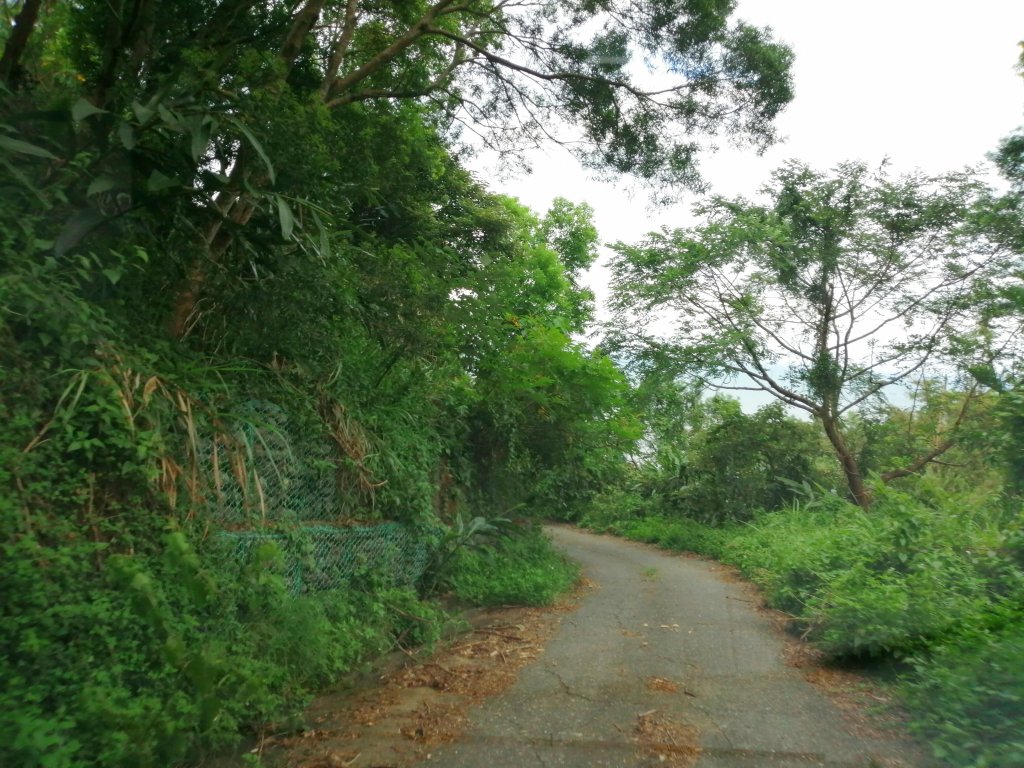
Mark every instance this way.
x=839 y=287
x=509 y=71
x=183 y=98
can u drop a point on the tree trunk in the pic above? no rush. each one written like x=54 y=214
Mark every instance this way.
x=234 y=207
x=302 y=23
x=854 y=479
x=24 y=24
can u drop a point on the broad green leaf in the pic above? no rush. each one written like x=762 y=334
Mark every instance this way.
x=77 y=227
x=24 y=148
x=25 y=182
x=325 y=240
x=286 y=217
x=84 y=108
x=126 y=133
x=142 y=113
x=171 y=119
x=158 y=182
x=100 y=185
x=251 y=138
x=201 y=131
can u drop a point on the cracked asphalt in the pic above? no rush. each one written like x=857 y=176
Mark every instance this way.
x=665 y=637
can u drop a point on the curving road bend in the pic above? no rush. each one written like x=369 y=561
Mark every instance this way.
x=666 y=662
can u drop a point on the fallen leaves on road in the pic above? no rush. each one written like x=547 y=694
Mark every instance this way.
x=435 y=723
x=662 y=685
x=424 y=702
x=668 y=741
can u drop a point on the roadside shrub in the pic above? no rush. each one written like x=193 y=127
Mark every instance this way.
x=155 y=660
x=413 y=622
x=446 y=543
x=967 y=698
x=613 y=507
x=790 y=553
x=678 y=534
x=892 y=580
x=517 y=570
x=866 y=612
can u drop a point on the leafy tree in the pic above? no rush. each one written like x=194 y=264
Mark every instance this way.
x=838 y=288
x=671 y=411
x=207 y=82
x=742 y=462
x=1003 y=216
x=707 y=460
x=549 y=416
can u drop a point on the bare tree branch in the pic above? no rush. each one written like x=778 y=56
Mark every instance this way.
x=922 y=461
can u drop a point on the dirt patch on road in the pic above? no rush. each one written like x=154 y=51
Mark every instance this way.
x=661 y=685
x=424 y=702
x=666 y=741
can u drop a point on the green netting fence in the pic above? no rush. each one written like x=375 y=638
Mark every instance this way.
x=326 y=557
x=267 y=474
x=285 y=491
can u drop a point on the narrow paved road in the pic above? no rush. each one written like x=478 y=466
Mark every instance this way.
x=667 y=651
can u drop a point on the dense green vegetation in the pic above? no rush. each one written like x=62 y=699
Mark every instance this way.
x=523 y=569
x=212 y=211
x=237 y=235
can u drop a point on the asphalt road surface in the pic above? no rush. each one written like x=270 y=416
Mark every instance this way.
x=667 y=661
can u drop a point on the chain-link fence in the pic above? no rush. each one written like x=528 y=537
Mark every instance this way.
x=325 y=557
x=272 y=487
x=262 y=474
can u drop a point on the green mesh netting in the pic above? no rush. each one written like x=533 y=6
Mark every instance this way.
x=279 y=477
x=326 y=557
x=284 y=480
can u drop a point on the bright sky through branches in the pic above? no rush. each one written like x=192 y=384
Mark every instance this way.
x=928 y=84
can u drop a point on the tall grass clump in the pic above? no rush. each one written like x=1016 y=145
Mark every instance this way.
x=628 y=513
x=677 y=534
x=521 y=569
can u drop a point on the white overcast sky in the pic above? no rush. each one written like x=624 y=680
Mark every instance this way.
x=929 y=84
